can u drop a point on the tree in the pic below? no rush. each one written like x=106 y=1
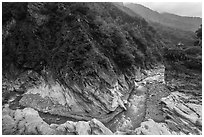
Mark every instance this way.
x=198 y=32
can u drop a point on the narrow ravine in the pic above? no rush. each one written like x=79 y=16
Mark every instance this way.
x=148 y=110
x=142 y=104
x=127 y=119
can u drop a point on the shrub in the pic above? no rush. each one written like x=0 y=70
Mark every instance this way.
x=193 y=51
x=123 y=60
x=174 y=54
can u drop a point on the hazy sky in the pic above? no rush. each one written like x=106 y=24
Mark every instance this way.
x=179 y=8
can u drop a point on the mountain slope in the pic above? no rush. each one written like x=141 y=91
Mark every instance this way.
x=172 y=36
x=171 y=20
x=171 y=28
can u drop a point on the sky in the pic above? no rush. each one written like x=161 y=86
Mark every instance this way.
x=193 y=9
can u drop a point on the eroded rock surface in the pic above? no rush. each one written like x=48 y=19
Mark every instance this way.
x=78 y=102
x=150 y=109
x=182 y=113
x=182 y=108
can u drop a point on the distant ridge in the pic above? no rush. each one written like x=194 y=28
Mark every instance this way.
x=167 y=19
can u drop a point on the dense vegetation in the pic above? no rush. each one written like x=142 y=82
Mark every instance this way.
x=198 y=32
x=76 y=40
x=190 y=57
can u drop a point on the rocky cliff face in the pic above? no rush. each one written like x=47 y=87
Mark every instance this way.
x=153 y=107
x=79 y=103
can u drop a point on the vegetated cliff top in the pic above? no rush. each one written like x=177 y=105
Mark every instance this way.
x=76 y=39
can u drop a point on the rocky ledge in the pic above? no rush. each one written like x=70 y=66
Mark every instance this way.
x=151 y=108
x=183 y=113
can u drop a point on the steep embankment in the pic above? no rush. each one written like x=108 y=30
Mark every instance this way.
x=69 y=59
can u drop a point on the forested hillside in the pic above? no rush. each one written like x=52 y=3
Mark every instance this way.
x=52 y=35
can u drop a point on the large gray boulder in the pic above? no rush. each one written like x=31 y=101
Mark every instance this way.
x=28 y=122
x=151 y=127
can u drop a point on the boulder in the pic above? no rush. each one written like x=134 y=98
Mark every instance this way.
x=27 y=121
x=83 y=128
x=151 y=127
x=8 y=125
x=97 y=128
